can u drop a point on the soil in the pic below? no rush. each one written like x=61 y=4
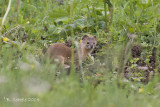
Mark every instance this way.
x=146 y=69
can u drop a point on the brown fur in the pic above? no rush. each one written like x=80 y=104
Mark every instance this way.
x=63 y=53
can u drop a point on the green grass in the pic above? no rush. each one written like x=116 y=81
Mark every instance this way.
x=25 y=80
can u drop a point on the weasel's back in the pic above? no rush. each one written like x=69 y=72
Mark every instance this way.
x=59 y=49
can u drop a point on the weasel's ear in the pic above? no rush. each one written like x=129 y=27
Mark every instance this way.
x=95 y=38
x=84 y=37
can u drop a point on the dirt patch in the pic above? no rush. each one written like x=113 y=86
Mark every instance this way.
x=139 y=69
x=136 y=51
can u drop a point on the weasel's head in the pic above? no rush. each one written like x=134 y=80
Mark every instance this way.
x=89 y=43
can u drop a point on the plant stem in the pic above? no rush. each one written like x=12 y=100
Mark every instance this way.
x=72 y=34
x=105 y=10
x=4 y=18
x=17 y=9
x=110 y=7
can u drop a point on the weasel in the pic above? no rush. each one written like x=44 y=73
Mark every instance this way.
x=62 y=53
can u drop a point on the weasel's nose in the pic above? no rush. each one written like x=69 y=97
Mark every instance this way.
x=91 y=46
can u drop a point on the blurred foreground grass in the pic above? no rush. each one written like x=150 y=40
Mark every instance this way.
x=25 y=81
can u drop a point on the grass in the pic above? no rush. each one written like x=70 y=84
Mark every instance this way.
x=25 y=80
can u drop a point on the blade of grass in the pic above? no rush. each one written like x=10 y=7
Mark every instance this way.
x=4 y=18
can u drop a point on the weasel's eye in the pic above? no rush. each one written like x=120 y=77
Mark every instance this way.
x=87 y=42
x=93 y=43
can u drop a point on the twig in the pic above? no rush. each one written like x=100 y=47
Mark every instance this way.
x=12 y=30
x=3 y=36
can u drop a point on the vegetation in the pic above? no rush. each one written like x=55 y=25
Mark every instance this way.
x=123 y=70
